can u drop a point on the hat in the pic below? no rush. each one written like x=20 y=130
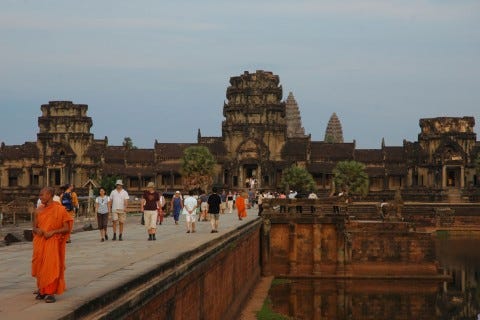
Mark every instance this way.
x=177 y=191
x=151 y=185
x=119 y=182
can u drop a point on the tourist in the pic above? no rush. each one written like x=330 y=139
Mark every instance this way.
x=51 y=227
x=251 y=198
x=149 y=206
x=260 y=198
x=69 y=200
x=282 y=196
x=313 y=196
x=241 y=204
x=177 y=206
x=223 y=205
x=118 y=206
x=102 y=210
x=203 y=207
x=190 y=210
x=160 y=210
x=214 y=202
x=230 y=201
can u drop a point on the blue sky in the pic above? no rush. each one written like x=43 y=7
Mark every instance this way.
x=160 y=69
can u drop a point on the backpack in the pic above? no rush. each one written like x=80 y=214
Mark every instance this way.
x=67 y=201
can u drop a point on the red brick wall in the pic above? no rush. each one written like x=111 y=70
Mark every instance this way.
x=215 y=288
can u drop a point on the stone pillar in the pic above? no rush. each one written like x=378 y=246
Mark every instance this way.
x=340 y=250
x=444 y=176
x=462 y=177
x=317 y=248
x=292 y=300
x=292 y=255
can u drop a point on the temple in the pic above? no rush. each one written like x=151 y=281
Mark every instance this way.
x=261 y=136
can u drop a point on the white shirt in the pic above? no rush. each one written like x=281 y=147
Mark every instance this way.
x=190 y=203
x=312 y=196
x=118 y=199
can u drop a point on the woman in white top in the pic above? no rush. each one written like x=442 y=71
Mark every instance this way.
x=101 y=208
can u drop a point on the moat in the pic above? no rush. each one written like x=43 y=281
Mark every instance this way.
x=456 y=297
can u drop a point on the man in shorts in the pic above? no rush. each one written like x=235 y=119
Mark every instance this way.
x=214 y=202
x=118 y=205
x=190 y=210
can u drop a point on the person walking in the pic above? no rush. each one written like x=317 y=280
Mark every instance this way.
x=51 y=227
x=160 y=210
x=177 y=205
x=260 y=198
x=203 y=207
x=214 y=202
x=230 y=201
x=69 y=200
x=241 y=206
x=118 y=205
x=102 y=210
x=190 y=211
x=149 y=206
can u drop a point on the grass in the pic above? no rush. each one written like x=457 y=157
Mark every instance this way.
x=279 y=281
x=266 y=313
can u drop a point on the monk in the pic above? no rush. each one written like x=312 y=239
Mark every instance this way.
x=241 y=206
x=51 y=227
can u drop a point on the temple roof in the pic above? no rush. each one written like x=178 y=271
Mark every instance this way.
x=332 y=151
x=15 y=152
x=143 y=156
x=334 y=132
x=166 y=151
x=295 y=149
x=369 y=155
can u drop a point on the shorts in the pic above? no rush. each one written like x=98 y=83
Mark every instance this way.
x=191 y=217
x=119 y=215
x=214 y=216
x=102 y=220
x=150 y=217
x=204 y=206
x=223 y=206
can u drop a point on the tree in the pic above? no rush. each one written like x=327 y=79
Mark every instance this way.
x=108 y=182
x=298 y=179
x=198 y=166
x=351 y=176
x=128 y=143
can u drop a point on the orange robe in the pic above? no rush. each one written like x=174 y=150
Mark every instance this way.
x=241 y=209
x=48 y=258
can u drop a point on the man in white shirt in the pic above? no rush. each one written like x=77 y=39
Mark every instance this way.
x=118 y=205
x=190 y=211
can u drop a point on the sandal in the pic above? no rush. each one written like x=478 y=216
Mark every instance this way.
x=50 y=299
x=39 y=296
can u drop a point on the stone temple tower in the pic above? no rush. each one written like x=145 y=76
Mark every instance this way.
x=294 y=121
x=334 y=133
x=254 y=129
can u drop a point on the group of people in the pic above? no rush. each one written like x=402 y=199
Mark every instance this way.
x=55 y=213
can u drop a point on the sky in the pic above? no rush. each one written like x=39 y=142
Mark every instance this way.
x=160 y=69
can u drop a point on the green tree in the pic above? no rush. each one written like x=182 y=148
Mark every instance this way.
x=351 y=176
x=108 y=182
x=198 y=166
x=128 y=143
x=297 y=178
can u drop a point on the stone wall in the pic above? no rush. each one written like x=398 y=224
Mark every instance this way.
x=316 y=246
x=214 y=288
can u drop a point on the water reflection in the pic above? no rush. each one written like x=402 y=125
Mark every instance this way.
x=457 y=298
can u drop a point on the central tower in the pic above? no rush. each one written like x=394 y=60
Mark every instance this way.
x=255 y=127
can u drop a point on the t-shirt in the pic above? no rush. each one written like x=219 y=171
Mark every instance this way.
x=102 y=204
x=189 y=204
x=214 y=201
x=118 y=199
x=151 y=199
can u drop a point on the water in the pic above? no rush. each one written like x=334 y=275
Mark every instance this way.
x=456 y=298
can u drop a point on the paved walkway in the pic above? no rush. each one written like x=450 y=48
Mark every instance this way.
x=95 y=267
